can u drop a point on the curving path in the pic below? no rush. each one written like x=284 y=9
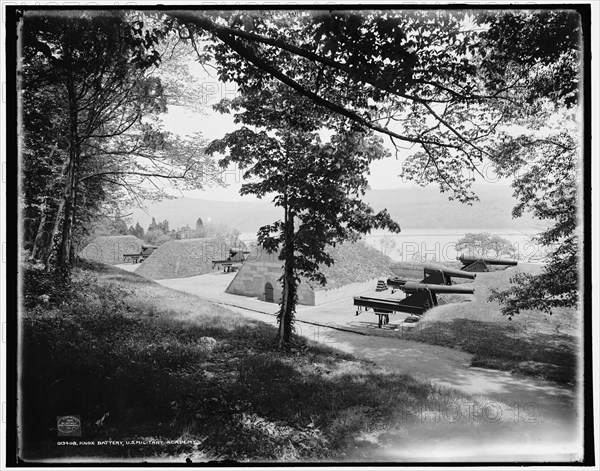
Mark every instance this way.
x=546 y=417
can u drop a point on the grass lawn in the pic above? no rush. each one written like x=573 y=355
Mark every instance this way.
x=532 y=343
x=173 y=377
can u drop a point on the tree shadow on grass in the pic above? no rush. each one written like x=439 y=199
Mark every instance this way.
x=246 y=399
x=507 y=347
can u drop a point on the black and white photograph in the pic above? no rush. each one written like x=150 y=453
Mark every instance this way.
x=300 y=235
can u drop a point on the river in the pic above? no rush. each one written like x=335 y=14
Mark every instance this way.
x=439 y=245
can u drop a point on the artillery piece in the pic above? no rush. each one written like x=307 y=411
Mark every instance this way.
x=436 y=274
x=420 y=297
x=480 y=264
x=432 y=274
x=423 y=295
x=234 y=261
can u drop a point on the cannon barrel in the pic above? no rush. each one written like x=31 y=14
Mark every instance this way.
x=429 y=269
x=490 y=261
x=414 y=287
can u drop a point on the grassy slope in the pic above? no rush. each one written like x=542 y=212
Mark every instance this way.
x=129 y=357
x=354 y=263
x=531 y=343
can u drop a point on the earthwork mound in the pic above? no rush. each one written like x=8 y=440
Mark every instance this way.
x=183 y=258
x=354 y=263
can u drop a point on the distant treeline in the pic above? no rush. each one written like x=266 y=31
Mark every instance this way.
x=158 y=233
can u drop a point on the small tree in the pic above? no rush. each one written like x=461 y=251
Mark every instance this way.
x=153 y=226
x=502 y=247
x=480 y=244
x=387 y=245
x=317 y=184
x=138 y=231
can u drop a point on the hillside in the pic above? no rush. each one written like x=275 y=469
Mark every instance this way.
x=354 y=263
x=423 y=208
x=427 y=208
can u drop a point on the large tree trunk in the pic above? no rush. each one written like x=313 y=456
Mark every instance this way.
x=288 y=301
x=288 y=304
x=46 y=251
x=47 y=230
x=44 y=236
x=41 y=235
x=64 y=251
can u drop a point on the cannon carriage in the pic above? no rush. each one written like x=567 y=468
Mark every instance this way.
x=420 y=295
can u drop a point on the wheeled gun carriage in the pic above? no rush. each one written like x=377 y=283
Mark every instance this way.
x=421 y=295
x=480 y=264
x=419 y=298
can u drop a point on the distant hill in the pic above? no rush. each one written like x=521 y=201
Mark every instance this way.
x=427 y=208
x=422 y=208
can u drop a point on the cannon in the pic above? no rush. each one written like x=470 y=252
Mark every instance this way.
x=436 y=274
x=481 y=264
x=432 y=274
x=234 y=261
x=424 y=295
x=419 y=298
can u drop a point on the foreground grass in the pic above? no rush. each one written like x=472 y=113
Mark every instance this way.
x=533 y=343
x=174 y=377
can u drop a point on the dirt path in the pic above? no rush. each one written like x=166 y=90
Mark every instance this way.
x=548 y=415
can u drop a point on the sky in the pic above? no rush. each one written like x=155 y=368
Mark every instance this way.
x=384 y=174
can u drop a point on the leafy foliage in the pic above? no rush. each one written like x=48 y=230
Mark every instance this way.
x=544 y=155
x=546 y=182
x=482 y=243
x=411 y=75
x=317 y=184
x=91 y=74
x=448 y=83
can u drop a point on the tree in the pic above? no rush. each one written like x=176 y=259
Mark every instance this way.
x=88 y=63
x=446 y=83
x=164 y=226
x=317 y=184
x=199 y=223
x=157 y=237
x=544 y=156
x=480 y=244
x=90 y=103
x=387 y=245
x=413 y=76
x=138 y=231
x=502 y=247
